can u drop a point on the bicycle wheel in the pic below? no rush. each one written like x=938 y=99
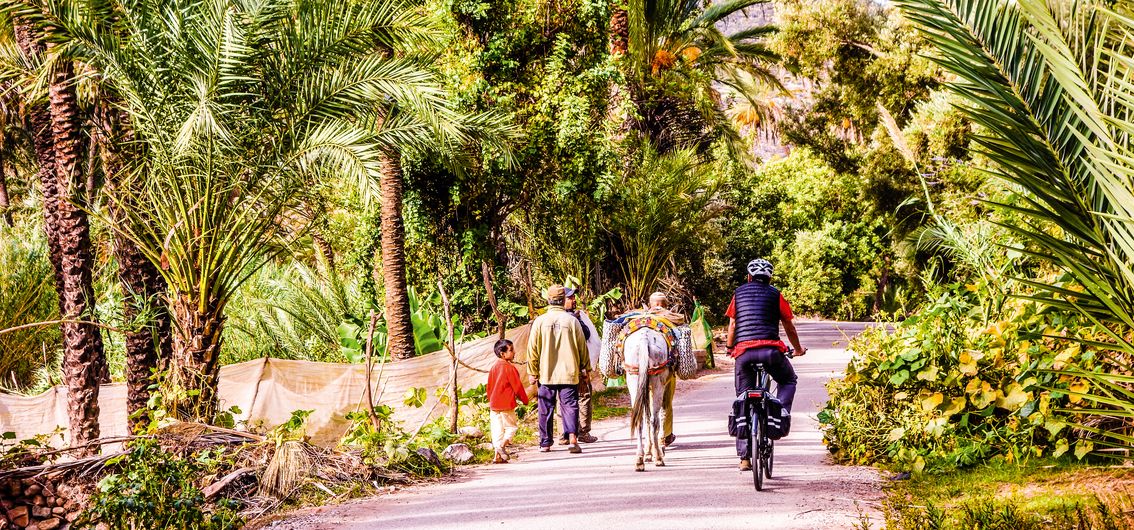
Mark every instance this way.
x=768 y=453
x=756 y=453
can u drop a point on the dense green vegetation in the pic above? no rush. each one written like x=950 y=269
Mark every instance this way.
x=207 y=182
x=615 y=168
x=1026 y=354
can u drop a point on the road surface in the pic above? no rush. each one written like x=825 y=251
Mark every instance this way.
x=700 y=487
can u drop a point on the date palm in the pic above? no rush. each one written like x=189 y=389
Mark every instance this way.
x=681 y=41
x=237 y=106
x=1049 y=82
x=147 y=338
x=56 y=121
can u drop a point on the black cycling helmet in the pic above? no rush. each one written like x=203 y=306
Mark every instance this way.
x=760 y=267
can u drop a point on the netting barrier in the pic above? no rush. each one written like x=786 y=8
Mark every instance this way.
x=268 y=390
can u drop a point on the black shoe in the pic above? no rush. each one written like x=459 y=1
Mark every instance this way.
x=668 y=440
x=587 y=438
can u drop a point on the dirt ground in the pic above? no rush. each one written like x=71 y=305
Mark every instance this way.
x=700 y=486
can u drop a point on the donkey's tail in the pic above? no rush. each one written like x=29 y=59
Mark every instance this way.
x=640 y=409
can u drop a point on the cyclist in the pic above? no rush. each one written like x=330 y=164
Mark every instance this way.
x=755 y=314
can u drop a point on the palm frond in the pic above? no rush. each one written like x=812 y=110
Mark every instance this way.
x=1049 y=81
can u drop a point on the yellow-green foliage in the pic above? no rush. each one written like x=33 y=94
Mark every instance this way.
x=948 y=388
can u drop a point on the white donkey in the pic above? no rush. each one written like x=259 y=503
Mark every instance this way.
x=644 y=351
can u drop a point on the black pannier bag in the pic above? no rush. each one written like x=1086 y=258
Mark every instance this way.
x=738 y=419
x=779 y=421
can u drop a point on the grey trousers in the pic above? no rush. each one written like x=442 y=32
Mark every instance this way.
x=586 y=409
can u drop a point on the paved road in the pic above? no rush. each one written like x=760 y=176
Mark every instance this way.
x=700 y=486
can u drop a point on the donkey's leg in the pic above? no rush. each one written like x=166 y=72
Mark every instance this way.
x=640 y=463
x=647 y=423
x=657 y=389
x=635 y=433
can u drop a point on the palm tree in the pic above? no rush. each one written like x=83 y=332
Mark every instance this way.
x=1048 y=81
x=448 y=139
x=148 y=337
x=399 y=323
x=678 y=40
x=662 y=205
x=140 y=280
x=59 y=147
x=238 y=107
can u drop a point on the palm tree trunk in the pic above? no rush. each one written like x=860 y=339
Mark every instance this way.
x=149 y=347
x=619 y=47
x=58 y=143
x=84 y=365
x=196 y=351
x=5 y=203
x=39 y=119
x=324 y=248
x=619 y=28
x=398 y=321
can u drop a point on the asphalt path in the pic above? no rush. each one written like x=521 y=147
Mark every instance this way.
x=700 y=486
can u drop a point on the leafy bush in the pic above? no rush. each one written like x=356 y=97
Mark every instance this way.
x=155 y=489
x=827 y=271
x=390 y=445
x=949 y=388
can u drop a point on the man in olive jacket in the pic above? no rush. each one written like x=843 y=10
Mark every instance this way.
x=557 y=359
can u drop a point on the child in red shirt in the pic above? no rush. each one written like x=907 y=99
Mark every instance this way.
x=504 y=389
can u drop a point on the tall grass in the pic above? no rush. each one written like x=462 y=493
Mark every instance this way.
x=27 y=295
x=990 y=514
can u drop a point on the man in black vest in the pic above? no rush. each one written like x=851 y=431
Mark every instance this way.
x=755 y=314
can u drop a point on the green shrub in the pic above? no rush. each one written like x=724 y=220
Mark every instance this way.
x=154 y=488
x=949 y=388
x=827 y=271
x=807 y=219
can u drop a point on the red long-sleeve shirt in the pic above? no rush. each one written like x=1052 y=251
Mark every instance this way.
x=504 y=387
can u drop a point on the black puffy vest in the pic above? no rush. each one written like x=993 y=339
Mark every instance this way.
x=757 y=312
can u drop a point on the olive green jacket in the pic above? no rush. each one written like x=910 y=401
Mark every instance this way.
x=557 y=350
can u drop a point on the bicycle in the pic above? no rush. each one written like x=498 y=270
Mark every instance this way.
x=761 y=449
